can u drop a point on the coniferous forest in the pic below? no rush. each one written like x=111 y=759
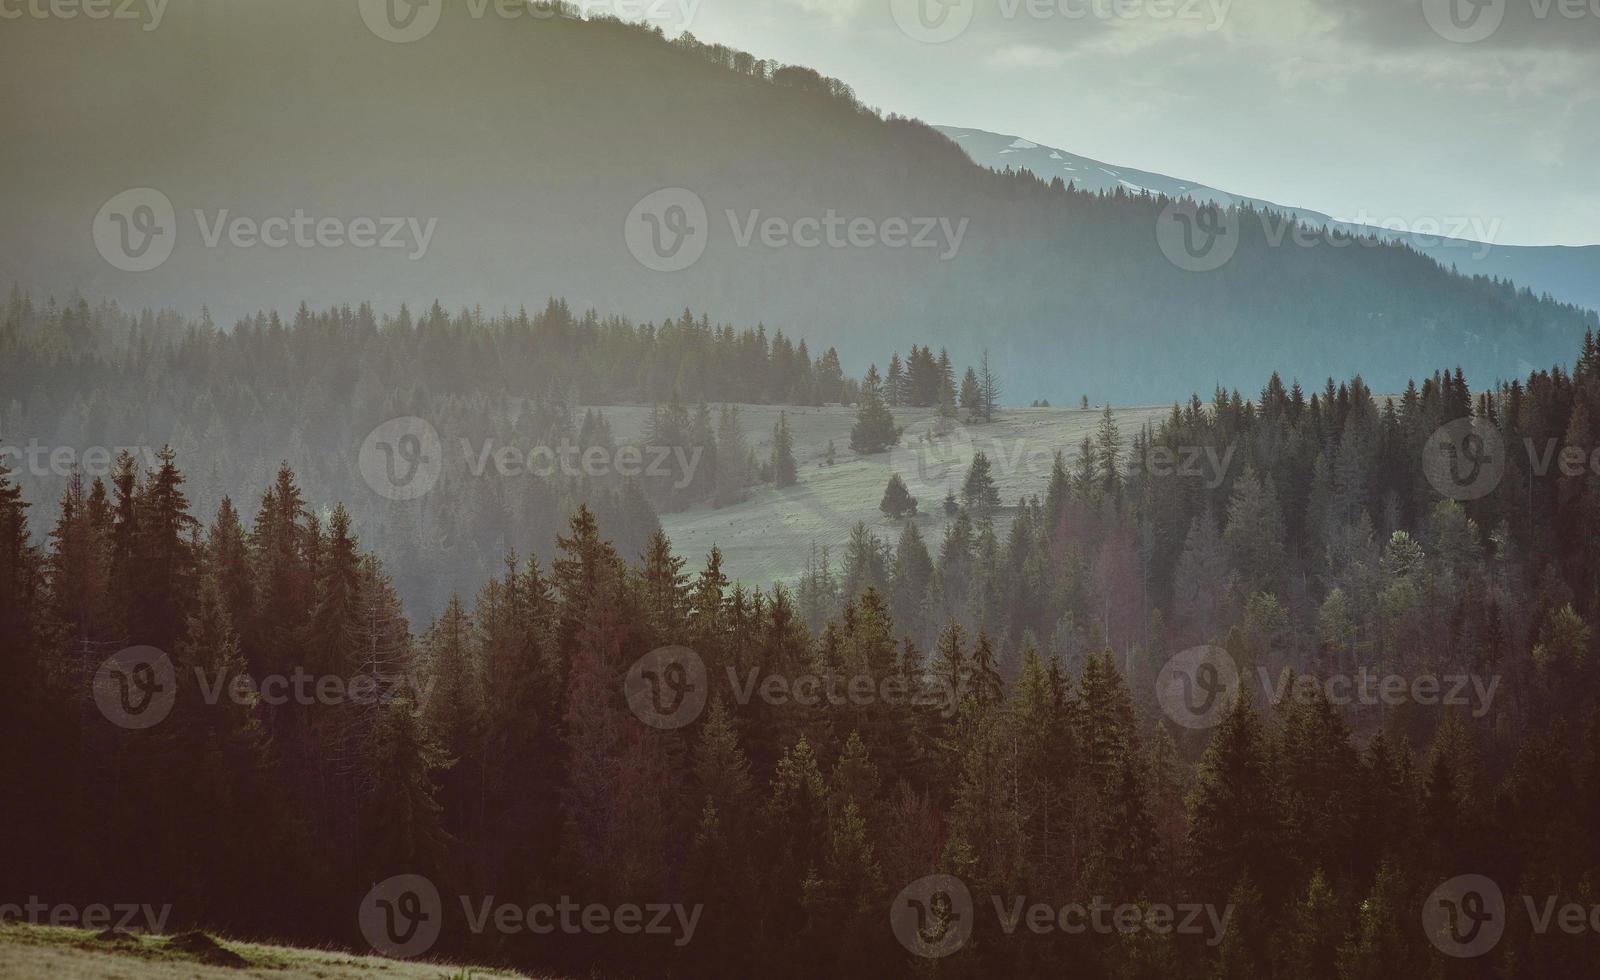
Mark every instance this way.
x=633 y=489
x=611 y=723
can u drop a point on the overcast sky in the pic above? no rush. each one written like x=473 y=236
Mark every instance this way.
x=1385 y=110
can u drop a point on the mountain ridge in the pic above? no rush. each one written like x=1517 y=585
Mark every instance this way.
x=1570 y=273
x=534 y=143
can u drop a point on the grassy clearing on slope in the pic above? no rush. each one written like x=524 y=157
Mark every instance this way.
x=77 y=954
x=768 y=537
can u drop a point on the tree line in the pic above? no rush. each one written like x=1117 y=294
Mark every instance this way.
x=307 y=390
x=524 y=773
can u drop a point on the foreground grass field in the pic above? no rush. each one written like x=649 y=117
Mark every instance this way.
x=768 y=537
x=29 y=951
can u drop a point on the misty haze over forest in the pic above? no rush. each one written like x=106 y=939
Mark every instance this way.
x=672 y=488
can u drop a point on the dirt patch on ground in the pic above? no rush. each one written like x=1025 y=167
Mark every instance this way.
x=205 y=949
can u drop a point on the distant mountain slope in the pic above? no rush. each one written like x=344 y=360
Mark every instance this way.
x=524 y=148
x=1570 y=274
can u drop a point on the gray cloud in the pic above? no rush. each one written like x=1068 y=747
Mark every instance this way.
x=1571 y=25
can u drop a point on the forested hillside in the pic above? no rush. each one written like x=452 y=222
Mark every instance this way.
x=308 y=391
x=508 y=398
x=514 y=174
x=513 y=754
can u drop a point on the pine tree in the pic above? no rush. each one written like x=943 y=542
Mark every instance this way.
x=164 y=554
x=894 y=382
x=1381 y=946
x=978 y=491
x=946 y=392
x=1105 y=719
x=1108 y=455
x=865 y=563
x=402 y=821
x=78 y=571
x=228 y=556
x=721 y=771
x=1045 y=751
x=784 y=470
x=280 y=552
x=453 y=673
x=986 y=684
x=733 y=455
x=1255 y=535
x=336 y=620
x=1245 y=952
x=796 y=821
x=988 y=389
x=664 y=589
x=615 y=769
x=588 y=572
x=952 y=669
x=910 y=579
x=1234 y=819
x=24 y=711
x=522 y=706
x=897 y=502
x=1316 y=929
x=1125 y=841
x=971 y=398
x=874 y=430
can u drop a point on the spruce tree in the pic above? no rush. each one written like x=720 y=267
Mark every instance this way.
x=971 y=398
x=1235 y=826
x=874 y=430
x=978 y=491
x=988 y=389
x=897 y=502
x=784 y=470
x=402 y=821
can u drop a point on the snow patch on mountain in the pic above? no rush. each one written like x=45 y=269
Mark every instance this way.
x=1569 y=273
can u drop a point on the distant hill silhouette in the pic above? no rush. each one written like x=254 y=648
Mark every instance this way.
x=529 y=142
